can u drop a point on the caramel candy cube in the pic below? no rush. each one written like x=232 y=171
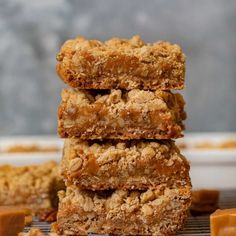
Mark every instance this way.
x=206 y=196
x=204 y=201
x=12 y=221
x=223 y=222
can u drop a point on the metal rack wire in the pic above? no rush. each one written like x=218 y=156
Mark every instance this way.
x=195 y=226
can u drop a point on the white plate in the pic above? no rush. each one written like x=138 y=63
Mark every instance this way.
x=28 y=158
x=210 y=168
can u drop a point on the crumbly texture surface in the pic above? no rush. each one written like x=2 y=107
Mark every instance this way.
x=117 y=114
x=33 y=186
x=121 y=64
x=47 y=215
x=115 y=164
x=160 y=211
x=36 y=232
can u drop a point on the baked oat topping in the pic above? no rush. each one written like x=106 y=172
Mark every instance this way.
x=121 y=64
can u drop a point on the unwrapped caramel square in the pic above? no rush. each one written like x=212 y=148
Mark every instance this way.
x=223 y=222
x=12 y=221
x=204 y=201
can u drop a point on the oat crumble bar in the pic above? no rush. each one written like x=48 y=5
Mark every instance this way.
x=160 y=211
x=114 y=164
x=32 y=186
x=117 y=114
x=121 y=64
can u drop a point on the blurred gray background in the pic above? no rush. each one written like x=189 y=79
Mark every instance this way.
x=31 y=33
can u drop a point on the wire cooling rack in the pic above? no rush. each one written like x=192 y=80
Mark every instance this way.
x=195 y=226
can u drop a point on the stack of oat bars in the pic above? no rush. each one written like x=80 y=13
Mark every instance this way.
x=124 y=174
